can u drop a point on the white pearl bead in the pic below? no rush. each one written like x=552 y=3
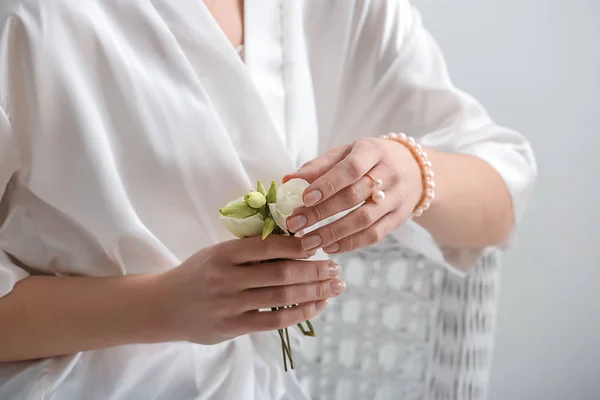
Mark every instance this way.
x=393 y=136
x=379 y=183
x=378 y=196
x=403 y=136
x=419 y=149
x=411 y=141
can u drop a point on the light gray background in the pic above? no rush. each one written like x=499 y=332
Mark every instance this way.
x=536 y=66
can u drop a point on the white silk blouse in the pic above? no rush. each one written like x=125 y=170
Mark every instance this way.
x=125 y=125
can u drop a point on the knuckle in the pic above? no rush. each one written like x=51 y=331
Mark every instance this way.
x=322 y=290
x=322 y=270
x=365 y=142
x=319 y=212
x=285 y=274
x=271 y=245
x=285 y=296
x=222 y=250
x=329 y=234
x=330 y=186
x=351 y=243
x=372 y=236
x=354 y=194
x=365 y=218
x=380 y=234
x=353 y=165
x=277 y=320
x=308 y=312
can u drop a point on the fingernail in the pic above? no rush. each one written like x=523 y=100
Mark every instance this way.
x=334 y=270
x=334 y=248
x=320 y=305
x=311 y=242
x=337 y=286
x=313 y=198
x=296 y=223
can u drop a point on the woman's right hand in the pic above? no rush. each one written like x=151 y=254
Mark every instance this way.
x=215 y=295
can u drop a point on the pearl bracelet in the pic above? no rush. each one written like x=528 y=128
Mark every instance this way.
x=426 y=171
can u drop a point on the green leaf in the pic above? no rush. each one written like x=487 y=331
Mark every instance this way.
x=272 y=193
x=268 y=227
x=261 y=188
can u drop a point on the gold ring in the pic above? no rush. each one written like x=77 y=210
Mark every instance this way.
x=377 y=182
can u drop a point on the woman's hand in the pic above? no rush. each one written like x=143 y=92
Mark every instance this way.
x=339 y=182
x=215 y=295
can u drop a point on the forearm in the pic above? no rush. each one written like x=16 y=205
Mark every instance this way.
x=472 y=207
x=50 y=316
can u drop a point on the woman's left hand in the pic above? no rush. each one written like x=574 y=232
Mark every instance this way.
x=339 y=182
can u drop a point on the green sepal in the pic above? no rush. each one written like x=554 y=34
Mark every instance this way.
x=238 y=210
x=268 y=227
x=272 y=193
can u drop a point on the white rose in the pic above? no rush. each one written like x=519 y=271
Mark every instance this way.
x=289 y=197
x=243 y=227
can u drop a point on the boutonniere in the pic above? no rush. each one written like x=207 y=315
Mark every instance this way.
x=264 y=212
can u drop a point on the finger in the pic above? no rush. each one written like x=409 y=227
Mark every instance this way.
x=318 y=166
x=366 y=237
x=363 y=157
x=282 y=296
x=345 y=199
x=361 y=218
x=243 y=251
x=255 y=321
x=282 y=273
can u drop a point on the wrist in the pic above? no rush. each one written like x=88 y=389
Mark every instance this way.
x=422 y=176
x=154 y=308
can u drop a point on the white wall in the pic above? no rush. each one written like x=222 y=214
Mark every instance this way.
x=536 y=66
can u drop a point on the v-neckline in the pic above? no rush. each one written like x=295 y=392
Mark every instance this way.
x=263 y=55
x=222 y=33
x=256 y=92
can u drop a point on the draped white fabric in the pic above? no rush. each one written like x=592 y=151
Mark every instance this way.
x=125 y=125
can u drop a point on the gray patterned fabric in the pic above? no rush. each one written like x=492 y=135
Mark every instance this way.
x=404 y=329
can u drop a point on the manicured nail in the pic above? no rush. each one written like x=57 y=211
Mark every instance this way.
x=296 y=223
x=320 y=305
x=334 y=270
x=287 y=178
x=337 y=286
x=334 y=248
x=313 y=198
x=311 y=242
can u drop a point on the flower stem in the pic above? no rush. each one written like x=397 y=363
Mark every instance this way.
x=304 y=332
x=310 y=332
x=289 y=345
x=283 y=350
x=311 y=329
x=285 y=347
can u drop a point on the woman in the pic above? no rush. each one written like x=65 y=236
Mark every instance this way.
x=126 y=125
